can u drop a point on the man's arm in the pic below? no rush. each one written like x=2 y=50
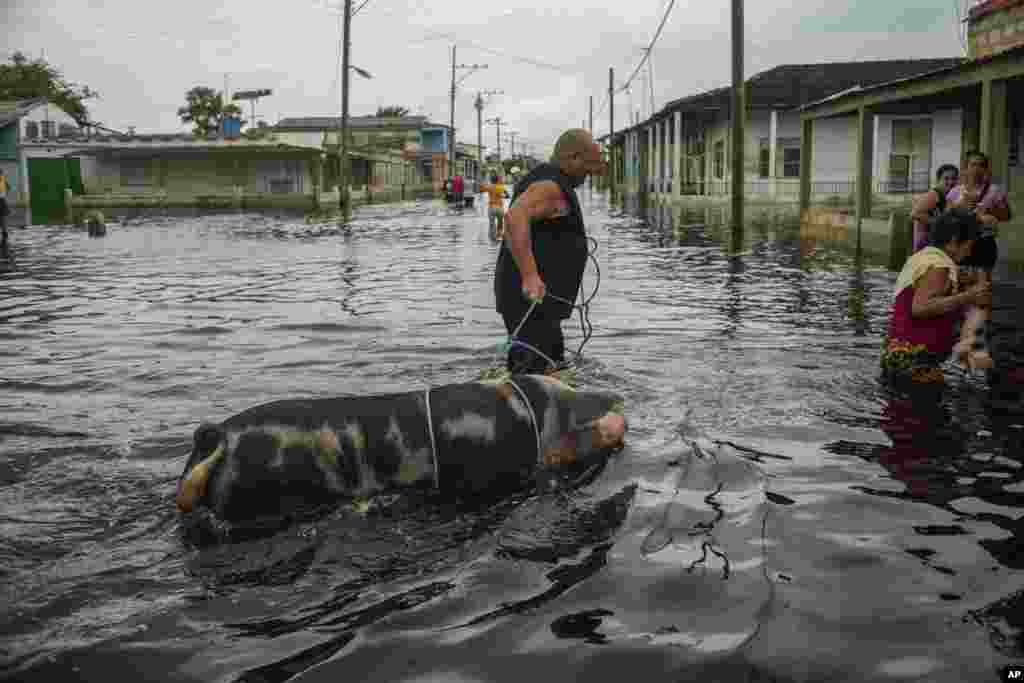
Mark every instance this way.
x=542 y=200
x=923 y=203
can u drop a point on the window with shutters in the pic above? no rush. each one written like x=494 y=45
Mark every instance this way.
x=910 y=159
x=764 y=158
x=787 y=160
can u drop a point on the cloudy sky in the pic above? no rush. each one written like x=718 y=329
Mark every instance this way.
x=549 y=57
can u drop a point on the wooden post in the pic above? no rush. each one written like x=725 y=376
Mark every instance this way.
x=806 y=162
x=995 y=128
x=612 y=165
x=865 y=163
x=739 y=115
x=343 y=196
x=69 y=210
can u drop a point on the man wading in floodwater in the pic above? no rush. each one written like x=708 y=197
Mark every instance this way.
x=545 y=252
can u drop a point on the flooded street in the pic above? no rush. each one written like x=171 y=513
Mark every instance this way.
x=776 y=515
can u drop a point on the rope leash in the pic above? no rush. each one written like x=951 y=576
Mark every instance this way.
x=586 y=326
x=533 y=417
x=433 y=443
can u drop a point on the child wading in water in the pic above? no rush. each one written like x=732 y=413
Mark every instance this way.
x=929 y=302
x=989 y=203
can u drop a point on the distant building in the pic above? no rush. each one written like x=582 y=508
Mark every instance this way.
x=980 y=102
x=684 y=149
x=172 y=170
x=29 y=120
x=385 y=152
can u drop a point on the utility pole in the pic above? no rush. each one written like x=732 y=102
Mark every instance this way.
x=512 y=151
x=650 y=78
x=343 y=203
x=739 y=115
x=611 y=132
x=479 y=104
x=497 y=121
x=451 y=138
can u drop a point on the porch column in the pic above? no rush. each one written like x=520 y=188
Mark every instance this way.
x=24 y=191
x=773 y=151
x=315 y=172
x=806 y=158
x=994 y=125
x=865 y=158
x=161 y=174
x=656 y=156
x=649 y=132
x=677 y=148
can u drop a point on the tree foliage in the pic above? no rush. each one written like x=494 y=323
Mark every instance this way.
x=22 y=79
x=392 y=111
x=205 y=109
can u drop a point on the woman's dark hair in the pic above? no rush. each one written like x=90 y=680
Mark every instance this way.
x=975 y=154
x=944 y=168
x=954 y=224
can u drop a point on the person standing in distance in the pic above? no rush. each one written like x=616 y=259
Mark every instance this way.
x=545 y=253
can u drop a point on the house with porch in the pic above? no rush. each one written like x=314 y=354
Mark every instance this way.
x=24 y=121
x=168 y=170
x=986 y=92
x=377 y=150
x=684 y=151
x=389 y=155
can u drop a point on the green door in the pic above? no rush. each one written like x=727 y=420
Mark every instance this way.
x=75 y=176
x=47 y=179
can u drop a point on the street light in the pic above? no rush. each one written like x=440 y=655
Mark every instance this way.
x=362 y=72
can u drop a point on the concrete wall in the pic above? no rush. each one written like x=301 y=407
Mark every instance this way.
x=303 y=138
x=194 y=175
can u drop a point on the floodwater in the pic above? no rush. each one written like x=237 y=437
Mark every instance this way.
x=777 y=515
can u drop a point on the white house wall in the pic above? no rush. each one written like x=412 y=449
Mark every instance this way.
x=44 y=112
x=199 y=175
x=833 y=159
x=304 y=138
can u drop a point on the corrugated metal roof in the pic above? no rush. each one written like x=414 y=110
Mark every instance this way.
x=955 y=66
x=793 y=85
x=320 y=123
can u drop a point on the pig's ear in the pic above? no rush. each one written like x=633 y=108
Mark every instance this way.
x=587 y=407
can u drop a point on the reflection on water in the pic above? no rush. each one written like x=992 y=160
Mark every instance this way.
x=776 y=515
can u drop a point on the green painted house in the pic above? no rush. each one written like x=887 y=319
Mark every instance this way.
x=41 y=182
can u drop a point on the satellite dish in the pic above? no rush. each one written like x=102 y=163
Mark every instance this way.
x=514 y=170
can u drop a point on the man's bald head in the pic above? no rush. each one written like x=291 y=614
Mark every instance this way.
x=577 y=154
x=572 y=141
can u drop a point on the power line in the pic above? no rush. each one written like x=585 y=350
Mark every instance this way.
x=647 y=52
x=361 y=6
x=437 y=35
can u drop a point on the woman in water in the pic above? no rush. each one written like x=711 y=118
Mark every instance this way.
x=928 y=301
x=932 y=203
